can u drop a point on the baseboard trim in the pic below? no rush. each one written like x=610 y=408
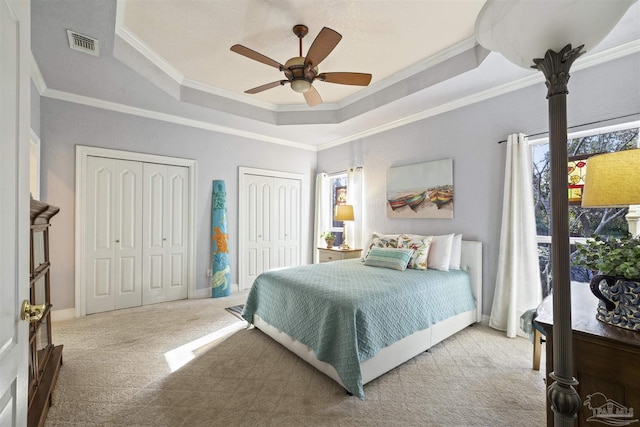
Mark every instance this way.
x=206 y=292
x=70 y=313
x=64 y=314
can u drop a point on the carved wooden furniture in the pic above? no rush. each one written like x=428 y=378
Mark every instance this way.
x=45 y=359
x=605 y=360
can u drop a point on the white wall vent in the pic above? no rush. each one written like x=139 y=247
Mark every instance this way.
x=83 y=43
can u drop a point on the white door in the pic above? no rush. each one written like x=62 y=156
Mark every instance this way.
x=286 y=216
x=269 y=206
x=258 y=227
x=165 y=235
x=114 y=234
x=14 y=209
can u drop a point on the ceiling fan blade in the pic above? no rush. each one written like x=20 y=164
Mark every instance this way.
x=356 y=79
x=322 y=46
x=252 y=54
x=266 y=86
x=312 y=97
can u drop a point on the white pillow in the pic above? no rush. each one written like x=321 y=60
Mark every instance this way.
x=456 y=252
x=439 y=256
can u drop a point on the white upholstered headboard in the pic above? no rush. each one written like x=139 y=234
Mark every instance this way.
x=471 y=262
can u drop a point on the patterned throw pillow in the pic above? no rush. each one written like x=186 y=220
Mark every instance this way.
x=420 y=246
x=379 y=240
x=395 y=259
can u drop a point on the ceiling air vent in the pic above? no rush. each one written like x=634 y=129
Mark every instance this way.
x=83 y=43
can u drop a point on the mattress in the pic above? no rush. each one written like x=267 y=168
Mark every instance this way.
x=347 y=312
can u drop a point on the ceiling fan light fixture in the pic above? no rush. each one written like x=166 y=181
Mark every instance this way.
x=300 y=86
x=302 y=71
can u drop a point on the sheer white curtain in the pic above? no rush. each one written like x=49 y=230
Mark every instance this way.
x=518 y=280
x=355 y=197
x=322 y=220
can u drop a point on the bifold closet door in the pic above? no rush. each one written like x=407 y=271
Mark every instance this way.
x=272 y=224
x=286 y=238
x=113 y=234
x=164 y=253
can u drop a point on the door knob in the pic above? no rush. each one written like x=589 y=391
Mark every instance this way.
x=32 y=312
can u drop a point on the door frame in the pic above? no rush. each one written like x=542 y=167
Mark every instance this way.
x=82 y=152
x=15 y=36
x=242 y=209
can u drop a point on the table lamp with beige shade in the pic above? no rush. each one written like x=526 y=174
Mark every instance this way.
x=613 y=180
x=344 y=213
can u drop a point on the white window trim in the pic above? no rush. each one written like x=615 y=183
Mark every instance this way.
x=633 y=216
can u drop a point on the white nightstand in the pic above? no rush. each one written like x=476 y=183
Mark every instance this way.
x=335 y=254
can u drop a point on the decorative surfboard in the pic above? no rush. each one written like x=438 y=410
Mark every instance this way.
x=221 y=278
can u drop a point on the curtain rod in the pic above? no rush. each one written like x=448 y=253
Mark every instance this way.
x=577 y=126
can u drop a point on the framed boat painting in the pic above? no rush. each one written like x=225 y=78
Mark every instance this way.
x=422 y=190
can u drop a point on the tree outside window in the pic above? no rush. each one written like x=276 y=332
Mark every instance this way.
x=583 y=222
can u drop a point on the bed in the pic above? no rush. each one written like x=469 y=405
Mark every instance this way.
x=354 y=322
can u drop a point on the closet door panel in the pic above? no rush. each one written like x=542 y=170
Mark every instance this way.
x=177 y=209
x=287 y=216
x=259 y=190
x=101 y=216
x=128 y=232
x=102 y=279
x=154 y=239
x=114 y=273
x=100 y=222
x=165 y=230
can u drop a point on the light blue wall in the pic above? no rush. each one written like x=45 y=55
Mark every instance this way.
x=65 y=125
x=470 y=137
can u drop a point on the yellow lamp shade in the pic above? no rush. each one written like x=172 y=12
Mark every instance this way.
x=612 y=180
x=344 y=213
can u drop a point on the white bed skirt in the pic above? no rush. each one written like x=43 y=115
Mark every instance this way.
x=408 y=347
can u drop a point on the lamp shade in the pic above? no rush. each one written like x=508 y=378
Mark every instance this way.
x=612 y=180
x=344 y=213
x=523 y=30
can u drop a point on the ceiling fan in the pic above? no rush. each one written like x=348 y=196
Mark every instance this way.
x=302 y=71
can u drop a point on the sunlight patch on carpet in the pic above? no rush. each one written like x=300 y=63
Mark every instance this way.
x=180 y=356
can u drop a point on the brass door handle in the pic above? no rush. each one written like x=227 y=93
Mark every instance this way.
x=32 y=313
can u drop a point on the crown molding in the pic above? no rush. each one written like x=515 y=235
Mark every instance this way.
x=170 y=118
x=150 y=54
x=36 y=76
x=583 y=63
x=620 y=51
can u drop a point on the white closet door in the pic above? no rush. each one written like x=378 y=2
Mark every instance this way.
x=114 y=234
x=270 y=223
x=165 y=247
x=257 y=218
x=287 y=222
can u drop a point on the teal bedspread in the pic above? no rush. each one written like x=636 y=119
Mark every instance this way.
x=346 y=311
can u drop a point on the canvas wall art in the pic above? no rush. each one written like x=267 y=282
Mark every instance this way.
x=422 y=190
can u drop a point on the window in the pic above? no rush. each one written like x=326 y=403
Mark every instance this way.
x=583 y=222
x=338 y=185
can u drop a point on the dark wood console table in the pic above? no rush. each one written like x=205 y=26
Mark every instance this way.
x=606 y=358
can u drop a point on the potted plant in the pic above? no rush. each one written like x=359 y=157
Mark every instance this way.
x=617 y=262
x=329 y=238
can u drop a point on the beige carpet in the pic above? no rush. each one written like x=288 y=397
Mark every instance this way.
x=117 y=372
